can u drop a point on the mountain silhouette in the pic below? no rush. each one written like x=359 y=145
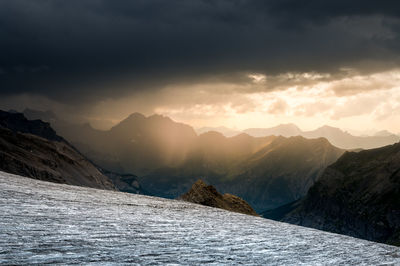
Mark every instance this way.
x=285 y=130
x=336 y=136
x=227 y=132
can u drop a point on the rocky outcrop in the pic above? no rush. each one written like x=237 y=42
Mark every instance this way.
x=207 y=195
x=359 y=195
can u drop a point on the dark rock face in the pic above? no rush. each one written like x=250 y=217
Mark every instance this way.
x=207 y=195
x=45 y=156
x=359 y=195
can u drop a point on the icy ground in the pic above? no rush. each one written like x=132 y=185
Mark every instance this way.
x=43 y=222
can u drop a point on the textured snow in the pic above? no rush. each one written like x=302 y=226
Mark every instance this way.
x=42 y=222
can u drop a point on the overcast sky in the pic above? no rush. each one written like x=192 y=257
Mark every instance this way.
x=238 y=63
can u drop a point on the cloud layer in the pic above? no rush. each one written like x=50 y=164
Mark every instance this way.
x=211 y=57
x=76 y=50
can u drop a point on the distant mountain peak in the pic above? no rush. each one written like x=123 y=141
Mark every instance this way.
x=132 y=119
x=242 y=136
x=158 y=117
x=300 y=140
x=212 y=134
x=227 y=132
x=288 y=125
x=327 y=127
x=135 y=115
x=286 y=130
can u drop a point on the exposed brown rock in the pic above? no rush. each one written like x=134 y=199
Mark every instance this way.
x=207 y=195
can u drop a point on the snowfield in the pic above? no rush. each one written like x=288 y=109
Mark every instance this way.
x=43 y=222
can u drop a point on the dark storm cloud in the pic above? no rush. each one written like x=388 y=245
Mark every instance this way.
x=295 y=12
x=88 y=49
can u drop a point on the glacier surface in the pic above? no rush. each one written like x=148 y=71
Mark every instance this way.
x=43 y=222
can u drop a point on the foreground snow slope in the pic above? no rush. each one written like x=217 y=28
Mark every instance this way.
x=44 y=222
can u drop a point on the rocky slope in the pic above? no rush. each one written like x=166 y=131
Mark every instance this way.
x=207 y=195
x=359 y=195
x=45 y=156
x=19 y=123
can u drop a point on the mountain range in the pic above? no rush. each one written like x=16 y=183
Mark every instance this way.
x=168 y=157
x=336 y=136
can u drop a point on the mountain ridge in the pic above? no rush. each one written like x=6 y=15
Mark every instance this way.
x=56 y=161
x=336 y=136
x=358 y=195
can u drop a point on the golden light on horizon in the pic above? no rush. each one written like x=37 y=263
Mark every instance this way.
x=309 y=100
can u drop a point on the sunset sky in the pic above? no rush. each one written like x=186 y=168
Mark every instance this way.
x=237 y=63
